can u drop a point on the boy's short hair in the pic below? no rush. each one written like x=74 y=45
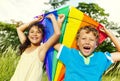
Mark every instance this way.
x=88 y=30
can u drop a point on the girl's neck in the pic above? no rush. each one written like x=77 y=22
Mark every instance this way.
x=34 y=46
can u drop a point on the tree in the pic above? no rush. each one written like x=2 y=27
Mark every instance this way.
x=8 y=35
x=115 y=27
x=94 y=11
x=57 y=3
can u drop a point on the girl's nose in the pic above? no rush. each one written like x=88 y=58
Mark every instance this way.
x=35 y=33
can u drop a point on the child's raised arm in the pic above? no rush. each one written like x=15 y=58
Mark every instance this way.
x=60 y=20
x=115 y=55
x=22 y=28
x=53 y=39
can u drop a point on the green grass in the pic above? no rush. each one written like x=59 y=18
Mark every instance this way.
x=110 y=78
x=9 y=60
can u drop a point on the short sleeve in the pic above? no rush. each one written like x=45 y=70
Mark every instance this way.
x=109 y=59
x=65 y=54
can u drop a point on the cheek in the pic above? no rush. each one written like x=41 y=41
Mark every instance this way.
x=40 y=35
x=28 y=36
x=79 y=44
x=94 y=44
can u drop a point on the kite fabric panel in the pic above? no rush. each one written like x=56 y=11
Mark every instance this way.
x=74 y=19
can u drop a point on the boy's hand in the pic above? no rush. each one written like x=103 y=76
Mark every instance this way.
x=60 y=20
x=103 y=29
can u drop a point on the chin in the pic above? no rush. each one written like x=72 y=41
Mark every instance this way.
x=86 y=54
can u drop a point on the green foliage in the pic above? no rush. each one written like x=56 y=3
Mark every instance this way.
x=94 y=11
x=8 y=36
x=106 y=46
x=7 y=27
x=8 y=62
x=57 y=3
x=110 y=78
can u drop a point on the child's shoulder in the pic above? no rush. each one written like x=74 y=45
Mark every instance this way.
x=101 y=54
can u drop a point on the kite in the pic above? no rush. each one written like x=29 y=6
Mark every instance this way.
x=74 y=19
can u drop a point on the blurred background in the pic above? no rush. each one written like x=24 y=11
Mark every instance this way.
x=16 y=12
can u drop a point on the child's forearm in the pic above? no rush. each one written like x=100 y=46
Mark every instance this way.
x=114 y=40
x=25 y=26
x=55 y=26
x=60 y=24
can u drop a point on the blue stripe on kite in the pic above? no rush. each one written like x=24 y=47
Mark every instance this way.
x=48 y=33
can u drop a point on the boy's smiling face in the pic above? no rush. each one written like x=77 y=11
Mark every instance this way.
x=86 y=42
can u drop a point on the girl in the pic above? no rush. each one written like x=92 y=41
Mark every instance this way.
x=30 y=64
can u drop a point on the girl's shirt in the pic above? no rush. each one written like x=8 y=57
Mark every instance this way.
x=29 y=68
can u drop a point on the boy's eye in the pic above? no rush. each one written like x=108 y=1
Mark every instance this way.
x=38 y=32
x=83 y=38
x=91 y=39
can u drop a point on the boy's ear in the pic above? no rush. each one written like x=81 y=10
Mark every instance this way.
x=96 y=45
x=77 y=43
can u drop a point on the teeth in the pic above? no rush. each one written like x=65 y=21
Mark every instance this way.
x=34 y=38
x=86 y=47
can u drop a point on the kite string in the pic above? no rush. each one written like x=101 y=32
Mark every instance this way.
x=79 y=20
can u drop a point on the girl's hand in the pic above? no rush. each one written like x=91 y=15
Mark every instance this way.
x=61 y=18
x=39 y=18
x=50 y=16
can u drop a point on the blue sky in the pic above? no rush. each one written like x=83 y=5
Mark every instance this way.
x=25 y=10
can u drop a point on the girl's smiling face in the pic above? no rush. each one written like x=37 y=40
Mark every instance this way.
x=86 y=42
x=35 y=35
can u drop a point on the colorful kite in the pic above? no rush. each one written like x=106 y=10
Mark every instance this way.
x=74 y=19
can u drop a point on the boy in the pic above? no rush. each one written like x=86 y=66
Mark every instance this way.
x=85 y=64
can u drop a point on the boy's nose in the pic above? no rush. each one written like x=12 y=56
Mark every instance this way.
x=87 y=41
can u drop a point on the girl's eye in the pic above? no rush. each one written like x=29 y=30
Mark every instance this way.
x=31 y=31
x=39 y=32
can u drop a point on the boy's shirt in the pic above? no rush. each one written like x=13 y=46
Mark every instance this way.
x=79 y=68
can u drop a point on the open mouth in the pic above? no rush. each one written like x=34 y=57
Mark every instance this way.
x=86 y=47
x=86 y=50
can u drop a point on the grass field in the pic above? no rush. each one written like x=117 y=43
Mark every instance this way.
x=9 y=60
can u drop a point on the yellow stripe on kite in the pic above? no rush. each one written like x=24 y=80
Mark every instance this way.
x=59 y=65
x=74 y=21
